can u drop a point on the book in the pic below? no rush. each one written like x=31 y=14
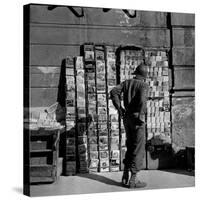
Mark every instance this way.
x=114 y=133
x=79 y=62
x=94 y=155
x=115 y=154
x=93 y=147
x=101 y=99
x=114 y=118
x=114 y=143
x=94 y=163
x=100 y=67
x=69 y=62
x=70 y=71
x=70 y=83
x=89 y=55
x=103 y=155
x=104 y=163
x=99 y=55
x=102 y=111
x=82 y=148
x=103 y=143
x=92 y=140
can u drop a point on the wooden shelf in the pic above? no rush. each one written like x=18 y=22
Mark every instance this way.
x=43 y=165
x=41 y=151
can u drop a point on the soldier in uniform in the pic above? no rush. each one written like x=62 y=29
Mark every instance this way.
x=133 y=114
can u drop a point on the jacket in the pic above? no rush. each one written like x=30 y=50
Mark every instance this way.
x=134 y=96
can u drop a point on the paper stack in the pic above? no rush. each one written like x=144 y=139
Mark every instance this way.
x=70 y=166
x=91 y=105
x=81 y=116
x=129 y=60
x=102 y=108
x=158 y=106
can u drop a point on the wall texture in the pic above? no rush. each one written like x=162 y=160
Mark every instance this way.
x=183 y=65
x=55 y=34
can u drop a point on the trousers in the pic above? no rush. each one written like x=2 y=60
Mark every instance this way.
x=135 y=143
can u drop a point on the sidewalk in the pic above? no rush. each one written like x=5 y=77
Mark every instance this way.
x=110 y=182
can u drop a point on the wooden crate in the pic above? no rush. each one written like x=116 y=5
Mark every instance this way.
x=44 y=151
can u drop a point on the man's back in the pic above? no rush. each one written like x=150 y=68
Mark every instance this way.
x=134 y=95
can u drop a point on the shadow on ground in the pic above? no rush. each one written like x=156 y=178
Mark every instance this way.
x=102 y=179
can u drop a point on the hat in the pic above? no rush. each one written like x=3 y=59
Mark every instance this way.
x=141 y=70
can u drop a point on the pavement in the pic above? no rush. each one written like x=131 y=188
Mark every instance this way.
x=110 y=182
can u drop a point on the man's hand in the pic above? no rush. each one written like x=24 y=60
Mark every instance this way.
x=121 y=112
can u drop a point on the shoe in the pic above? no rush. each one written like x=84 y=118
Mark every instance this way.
x=137 y=184
x=125 y=177
x=134 y=183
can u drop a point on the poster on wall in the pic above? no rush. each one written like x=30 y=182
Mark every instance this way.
x=108 y=97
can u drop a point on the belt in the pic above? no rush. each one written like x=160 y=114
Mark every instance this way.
x=136 y=115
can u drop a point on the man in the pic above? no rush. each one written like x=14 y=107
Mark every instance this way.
x=134 y=97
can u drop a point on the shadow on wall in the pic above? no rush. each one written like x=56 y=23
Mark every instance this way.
x=81 y=127
x=159 y=156
x=164 y=157
x=183 y=162
x=61 y=109
x=61 y=96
